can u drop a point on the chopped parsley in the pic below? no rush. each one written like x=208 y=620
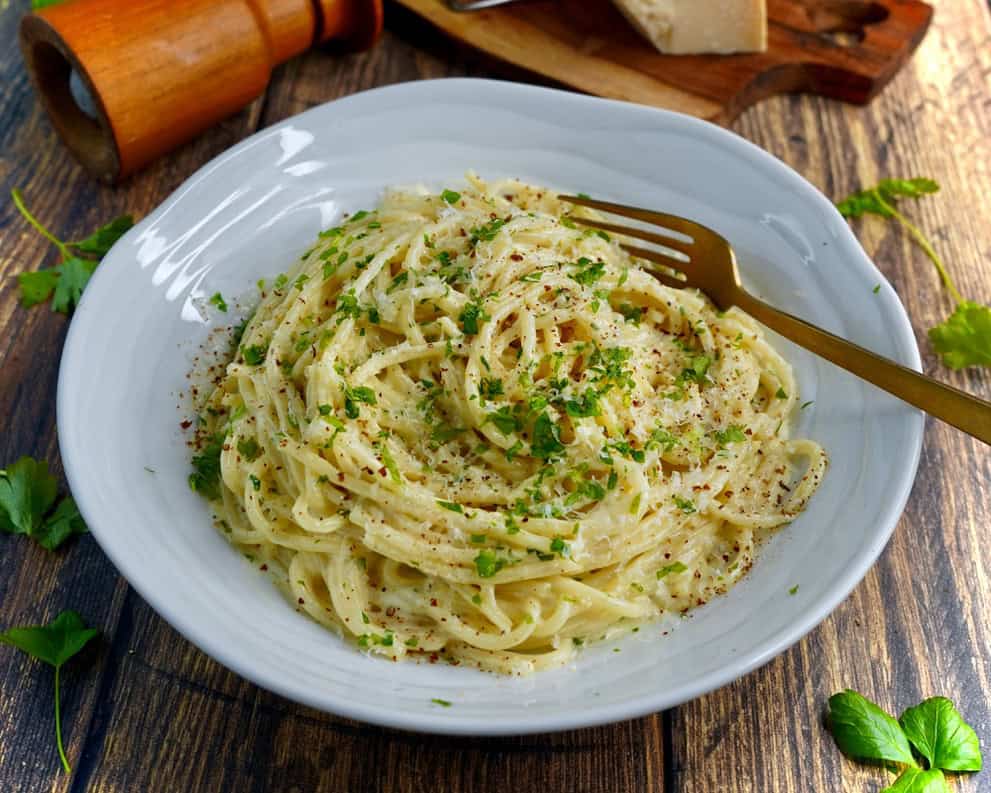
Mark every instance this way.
x=487 y=232
x=732 y=434
x=450 y=196
x=683 y=504
x=631 y=313
x=354 y=396
x=470 y=316
x=218 y=300
x=668 y=569
x=255 y=354
x=487 y=564
x=584 y=406
x=507 y=419
x=588 y=272
x=249 y=449
x=546 y=441
x=696 y=371
x=450 y=505
x=205 y=478
x=489 y=388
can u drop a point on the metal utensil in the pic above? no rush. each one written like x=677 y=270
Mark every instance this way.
x=707 y=262
x=476 y=5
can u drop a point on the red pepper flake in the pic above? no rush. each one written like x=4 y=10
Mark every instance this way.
x=516 y=257
x=263 y=568
x=433 y=602
x=186 y=424
x=301 y=601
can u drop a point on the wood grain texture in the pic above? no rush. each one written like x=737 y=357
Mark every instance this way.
x=145 y=711
x=845 y=50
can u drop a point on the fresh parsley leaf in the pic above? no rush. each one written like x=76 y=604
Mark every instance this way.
x=451 y=506
x=102 y=240
x=442 y=702
x=65 y=282
x=668 y=569
x=63 y=523
x=941 y=735
x=560 y=547
x=53 y=644
x=37 y=287
x=683 y=504
x=915 y=780
x=964 y=339
x=74 y=274
x=450 y=196
x=864 y=731
x=892 y=189
x=27 y=492
x=217 y=300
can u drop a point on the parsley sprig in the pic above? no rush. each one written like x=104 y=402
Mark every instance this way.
x=27 y=495
x=54 y=643
x=927 y=740
x=65 y=282
x=964 y=338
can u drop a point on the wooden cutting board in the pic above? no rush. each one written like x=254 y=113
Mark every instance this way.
x=845 y=49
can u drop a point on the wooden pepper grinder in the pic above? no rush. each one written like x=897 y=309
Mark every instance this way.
x=159 y=72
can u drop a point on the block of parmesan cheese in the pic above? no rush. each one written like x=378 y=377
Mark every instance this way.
x=680 y=27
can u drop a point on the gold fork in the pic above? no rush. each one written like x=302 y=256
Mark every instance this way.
x=711 y=268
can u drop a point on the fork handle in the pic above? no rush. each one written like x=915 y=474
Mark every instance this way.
x=962 y=410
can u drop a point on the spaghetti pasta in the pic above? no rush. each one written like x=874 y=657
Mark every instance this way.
x=464 y=427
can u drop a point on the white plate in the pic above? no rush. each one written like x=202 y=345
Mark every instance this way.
x=251 y=211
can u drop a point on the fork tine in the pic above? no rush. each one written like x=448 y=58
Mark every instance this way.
x=672 y=222
x=668 y=261
x=640 y=234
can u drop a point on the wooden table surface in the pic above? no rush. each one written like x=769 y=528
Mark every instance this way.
x=146 y=712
